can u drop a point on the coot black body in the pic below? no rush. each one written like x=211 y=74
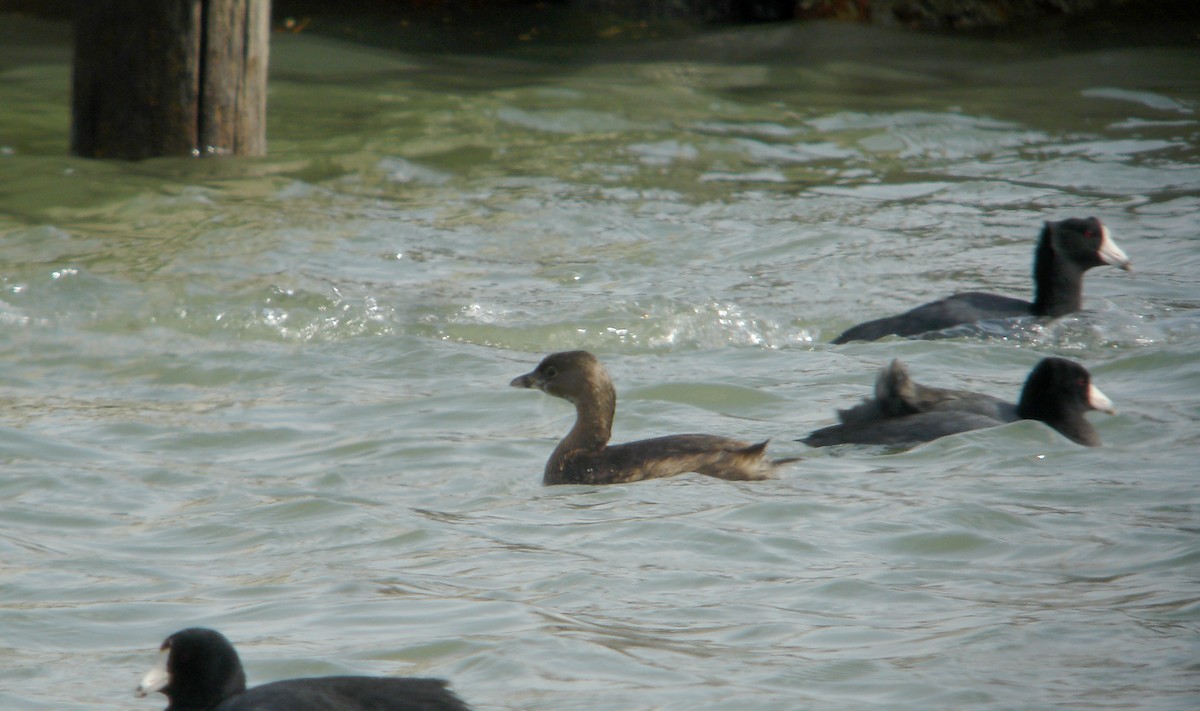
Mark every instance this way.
x=1065 y=250
x=903 y=412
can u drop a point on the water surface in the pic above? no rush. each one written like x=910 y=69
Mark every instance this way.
x=270 y=396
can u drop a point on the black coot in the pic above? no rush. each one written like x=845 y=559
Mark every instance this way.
x=1064 y=252
x=199 y=670
x=1057 y=392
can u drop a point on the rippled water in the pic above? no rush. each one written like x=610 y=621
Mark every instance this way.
x=270 y=396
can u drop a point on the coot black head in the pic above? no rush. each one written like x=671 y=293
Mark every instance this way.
x=1066 y=250
x=1059 y=392
x=1085 y=241
x=197 y=668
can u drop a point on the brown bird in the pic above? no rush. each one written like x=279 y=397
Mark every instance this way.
x=584 y=456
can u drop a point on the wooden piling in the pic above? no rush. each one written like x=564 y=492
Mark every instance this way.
x=170 y=78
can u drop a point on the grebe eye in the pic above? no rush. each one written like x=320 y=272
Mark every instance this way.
x=550 y=371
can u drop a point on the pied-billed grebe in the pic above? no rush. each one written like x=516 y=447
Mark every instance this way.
x=199 y=670
x=1064 y=252
x=1057 y=392
x=585 y=457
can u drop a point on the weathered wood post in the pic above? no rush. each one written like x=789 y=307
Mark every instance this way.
x=170 y=78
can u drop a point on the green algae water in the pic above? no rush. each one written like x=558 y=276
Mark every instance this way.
x=270 y=396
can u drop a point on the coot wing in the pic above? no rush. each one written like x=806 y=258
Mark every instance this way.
x=911 y=429
x=967 y=307
x=347 y=693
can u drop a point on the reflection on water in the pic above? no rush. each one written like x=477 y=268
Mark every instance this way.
x=270 y=396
